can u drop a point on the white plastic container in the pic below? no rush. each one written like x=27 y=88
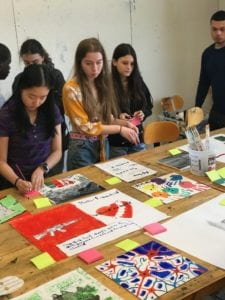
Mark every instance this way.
x=202 y=161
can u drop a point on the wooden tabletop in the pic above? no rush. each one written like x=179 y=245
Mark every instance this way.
x=16 y=251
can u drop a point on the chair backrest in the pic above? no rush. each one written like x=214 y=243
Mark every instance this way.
x=161 y=131
x=172 y=104
x=194 y=116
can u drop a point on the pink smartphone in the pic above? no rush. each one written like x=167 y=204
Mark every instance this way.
x=135 y=121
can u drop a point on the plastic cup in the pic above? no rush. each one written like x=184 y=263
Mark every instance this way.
x=201 y=161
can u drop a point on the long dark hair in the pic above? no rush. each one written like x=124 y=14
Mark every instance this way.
x=32 y=46
x=34 y=76
x=134 y=81
x=102 y=82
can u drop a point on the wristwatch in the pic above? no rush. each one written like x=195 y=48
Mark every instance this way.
x=45 y=167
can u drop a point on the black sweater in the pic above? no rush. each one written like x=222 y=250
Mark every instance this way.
x=212 y=74
x=146 y=106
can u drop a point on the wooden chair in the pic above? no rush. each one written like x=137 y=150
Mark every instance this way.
x=172 y=104
x=161 y=131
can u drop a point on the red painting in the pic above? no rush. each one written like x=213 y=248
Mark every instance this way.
x=51 y=227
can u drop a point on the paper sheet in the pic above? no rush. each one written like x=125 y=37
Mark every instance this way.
x=192 y=233
x=121 y=213
x=150 y=270
x=74 y=285
x=170 y=187
x=125 y=169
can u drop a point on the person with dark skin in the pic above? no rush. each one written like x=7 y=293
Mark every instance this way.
x=5 y=60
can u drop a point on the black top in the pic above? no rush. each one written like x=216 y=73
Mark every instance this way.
x=59 y=82
x=146 y=106
x=212 y=74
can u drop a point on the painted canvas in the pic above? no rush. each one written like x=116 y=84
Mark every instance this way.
x=171 y=187
x=125 y=169
x=53 y=226
x=69 y=188
x=121 y=213
x=180 y=161
x=9 y=208
x=75 y=285
x=151 y=270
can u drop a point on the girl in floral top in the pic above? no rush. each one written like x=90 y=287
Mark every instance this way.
x=88 y=102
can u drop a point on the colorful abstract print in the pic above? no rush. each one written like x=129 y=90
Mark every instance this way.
x=171 y=187
x=150 y=270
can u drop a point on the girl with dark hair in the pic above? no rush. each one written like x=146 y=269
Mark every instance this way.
x=88 y=102
x=133 y=98
x=32 y=52
x=30 y=131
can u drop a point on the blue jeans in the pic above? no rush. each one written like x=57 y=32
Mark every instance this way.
x=82 y=153
x=119 y=151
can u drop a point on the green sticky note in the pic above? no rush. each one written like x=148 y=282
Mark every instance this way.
x=175 y=151
x=153 y=202
x=113 y=180
x=213 y=175
x=42 y=202
x=127 y=244
x=8 y=200
x=220 y=181
x=221 y=172
x=9 y=208
x=43 y=260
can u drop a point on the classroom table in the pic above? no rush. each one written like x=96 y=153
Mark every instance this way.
x=16 y=251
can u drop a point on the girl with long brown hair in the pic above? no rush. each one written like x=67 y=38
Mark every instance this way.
x=88 y=102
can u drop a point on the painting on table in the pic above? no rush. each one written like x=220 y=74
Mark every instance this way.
x=69 y=188
x=48 y=228
x=75 y=285
x=171 y=187
x=180 y=161
x=150 y=270
x=120 y=213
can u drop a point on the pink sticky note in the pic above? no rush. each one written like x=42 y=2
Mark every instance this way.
x=90 y=255
x=155 y=228
x=32 y=194
x=135 y=121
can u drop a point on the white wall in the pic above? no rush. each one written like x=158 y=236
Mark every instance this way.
x=168 y=35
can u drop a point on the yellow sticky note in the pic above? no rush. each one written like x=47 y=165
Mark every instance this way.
x=153 y=202
x=43 y=260
x=175 y=151
x=213 y=175
x=42 y=202
x=113 y=180
x=221 y=172
x=222 y=202
x=127 y=244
